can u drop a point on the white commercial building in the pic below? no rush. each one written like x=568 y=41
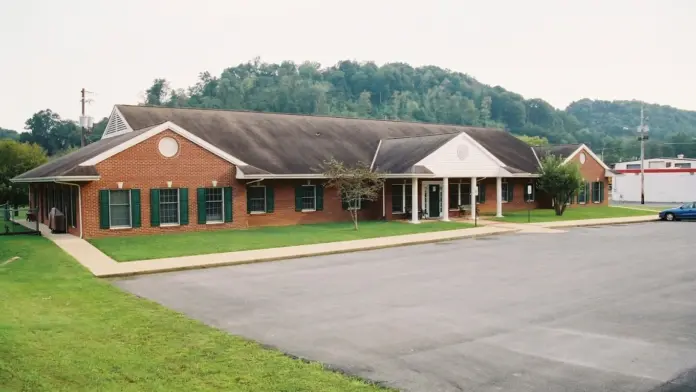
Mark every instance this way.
x=667 y=180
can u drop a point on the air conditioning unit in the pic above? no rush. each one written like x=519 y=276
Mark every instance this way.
x=56 y=221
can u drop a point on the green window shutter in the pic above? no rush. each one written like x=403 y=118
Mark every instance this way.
x=270 y=199
x=183 y=206
x=298 y=198
x=135 y=207
x=511 y=189
x=200 y=201
x=344 y=201
x=320 y=197
x=227 y=196
x=154 y=207
x=601 y=192
x=104 y=209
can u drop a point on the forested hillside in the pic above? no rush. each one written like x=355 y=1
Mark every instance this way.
x=399 y=91
x=431 y=94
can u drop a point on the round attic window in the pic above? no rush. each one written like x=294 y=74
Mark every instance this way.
x=463 y=152
x=583 y=158
x=168 y=147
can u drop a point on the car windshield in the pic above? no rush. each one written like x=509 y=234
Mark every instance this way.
x=686 y=205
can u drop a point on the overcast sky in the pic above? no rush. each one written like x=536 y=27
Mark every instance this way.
x=558 y=50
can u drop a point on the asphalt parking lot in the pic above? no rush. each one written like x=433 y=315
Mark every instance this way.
x=609 y=308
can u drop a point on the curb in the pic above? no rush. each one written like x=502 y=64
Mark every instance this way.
x=586 y=224
x=126 y=274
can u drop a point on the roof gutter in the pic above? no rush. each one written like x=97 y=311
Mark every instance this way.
x=79 y=200
x=56 y=179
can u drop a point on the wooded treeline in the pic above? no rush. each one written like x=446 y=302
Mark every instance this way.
x=399 y=91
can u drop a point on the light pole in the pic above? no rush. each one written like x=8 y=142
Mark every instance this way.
x=643 y=130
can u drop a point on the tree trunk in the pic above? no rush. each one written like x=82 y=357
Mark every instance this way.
x=354 y=216
x=558 y=207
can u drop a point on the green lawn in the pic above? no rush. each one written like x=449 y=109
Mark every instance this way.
x=186 y=244
x=63 y=330
x=573 y=213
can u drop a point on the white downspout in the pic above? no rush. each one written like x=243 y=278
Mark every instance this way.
x=79 y=199
x=384 y=201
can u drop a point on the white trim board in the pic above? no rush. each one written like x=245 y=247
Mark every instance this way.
x=155 y=131
x=56 y=178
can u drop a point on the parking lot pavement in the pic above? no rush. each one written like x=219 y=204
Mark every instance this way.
x=611 y=308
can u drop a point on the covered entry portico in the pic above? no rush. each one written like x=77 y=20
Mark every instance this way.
x=437 y=198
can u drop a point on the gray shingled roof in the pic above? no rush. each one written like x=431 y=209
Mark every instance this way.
x=513 y=152
x=299 y=144
x=561 y=150
x=69 y=165
x=398 y=155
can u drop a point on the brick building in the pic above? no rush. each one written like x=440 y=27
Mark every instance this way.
x=159 y=170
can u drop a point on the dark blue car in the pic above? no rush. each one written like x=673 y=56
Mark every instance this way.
x=685 y=211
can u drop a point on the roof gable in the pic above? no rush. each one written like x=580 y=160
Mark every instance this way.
x=399 y=155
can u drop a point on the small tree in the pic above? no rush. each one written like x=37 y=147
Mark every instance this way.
x=355 y=184
x=560 y=181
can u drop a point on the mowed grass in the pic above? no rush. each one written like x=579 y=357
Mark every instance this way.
x=186 y=244
x=573 y=213
x=63 y=330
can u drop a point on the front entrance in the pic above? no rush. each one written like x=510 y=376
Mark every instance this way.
x=433 y=201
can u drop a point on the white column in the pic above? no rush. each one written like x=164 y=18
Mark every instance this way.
x=445 y=199
x=474 y=191
x=414 y=201
x=499 y=197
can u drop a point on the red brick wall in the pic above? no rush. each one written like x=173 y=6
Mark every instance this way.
x=142 y=167
x=592 y=171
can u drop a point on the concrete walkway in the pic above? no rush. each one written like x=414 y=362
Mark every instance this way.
x=102 y=265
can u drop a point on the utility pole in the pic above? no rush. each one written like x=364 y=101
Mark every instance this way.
x=82 y=134
x=643 y=129
x=85 y=121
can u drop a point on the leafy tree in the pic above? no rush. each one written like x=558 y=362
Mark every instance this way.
x=15 y=159
x=157 y=93
x=356 y=184
x=52 y=133
x=8 y=134
x=534 y=140
x=560 y=181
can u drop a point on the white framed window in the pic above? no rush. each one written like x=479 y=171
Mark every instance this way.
x=682 y=165
x=633 y=166
x=120 y=209
x=214 y=207
x=401 y=198
x=583 y=193
x=169 y=207
x=309 y=198
x=505 y=189
x=257 y=199
x=597 y=190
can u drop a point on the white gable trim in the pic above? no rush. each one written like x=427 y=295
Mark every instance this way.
x=155 y=131
x=114 y=118
x=587 y=150
x=445 y=161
